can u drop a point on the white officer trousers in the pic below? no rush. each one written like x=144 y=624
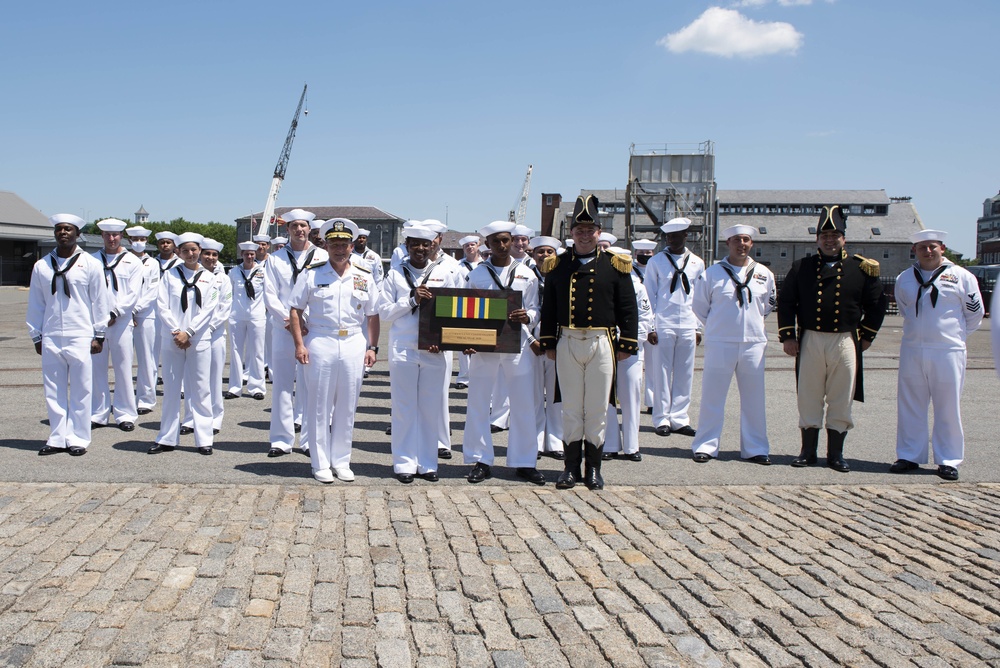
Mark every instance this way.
x=522 y=441
x=628 y=387
x=675 y=378
x=585 y=363
x=144 y=337
x=548 y=414
x=215 y=383
x=443 y=433
x=288 y=383
x=930 y=377
x=722 y=361
x=649 y=365
x=247 y=357
x=192 y=368
x=334 y=375
x=463 y=368
x=500 y=404
x=67 y=378
x=119 y=347
x=417 y=410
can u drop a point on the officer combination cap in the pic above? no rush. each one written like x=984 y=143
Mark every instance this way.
x=748 y=230
x=138 y=231
x=522 y=231
x=298 y=214
x=111 y=225
x=607 y=236
x=279 y=241
x=435 y=225
x=551 y=242
x=67 y=218
x=928 y=235
x=468 y=239
x=420 y=232
x=585 y=211
x=496 y=227
x=339 y=228
x=247 y=246
x=190 y=237
x=212 y=244
x=160 y=236
x=832 y=218
x=643 y=244
x=675 y=225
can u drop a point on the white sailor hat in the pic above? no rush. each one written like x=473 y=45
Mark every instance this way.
x=247 y=246
x=643 y=244
x=468 y=239
x=497 y=226
x=522 y=231
x=607 y=236
x=190 y=237
x=266 y=238
x=362 y=232
x=212 y=244
x=279 y=241
x=298 y=214
x=928 y=235
x=551 y=242
x=138 y=231
x=68 y=218
x=748 y=230
x=160 y=236
x=675 y=225
x=339 y=228
x=435 y=225
x=316 y=224
x=411 y=223
x=111 y=225
x=569 y=243
x=420 y=232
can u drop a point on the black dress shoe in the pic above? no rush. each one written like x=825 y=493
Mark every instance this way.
x=759 y=459
x=558 y=454
x=686 y=430
x=495 y=429
x=229 y=395
x=444 y=453
x=809 y=460
x=461 y=386
x=903 y=466
x=608 y=456
x=629 y=457
x=276 y=452
x=77 y=451
x=405 y=478
x=534 y=476
x=479 y=473
x=430 y=476
x=297 y=428
x=205 y=450
x=838 y=464
x=127 y=426
x=663 y=430
x=259 y=396
x=144 y=411
x=388 y=431
x=157 y=449
x=49 y=450
x=701 y=457
x=215 y=431
x=187 y=430
x=97 y=425
x=947 y=472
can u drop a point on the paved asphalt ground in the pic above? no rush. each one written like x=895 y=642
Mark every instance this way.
x=239 y=560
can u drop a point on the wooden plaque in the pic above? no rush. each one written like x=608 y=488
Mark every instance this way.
x=460 y=318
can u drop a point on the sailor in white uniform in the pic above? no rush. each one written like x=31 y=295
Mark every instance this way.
x=732 y=298
x=340 y=298
x=167 y=258
x=123 y=273
x=144 y=320
x=282 y=271
x=276 y=244
x=314 y=238
x=548 y=413
x=500 y=272
x=416 y=376
x=263 y=242
x=68 y=308
x=470 y=246
x=642 y=251
x=186 y=303
x=247 y=322
x=941 y=305
x=670 y=275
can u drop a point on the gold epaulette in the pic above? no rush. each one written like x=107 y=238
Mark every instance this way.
x=362 y=268
x=868 y=266
x=622 y=263
x=550 y=263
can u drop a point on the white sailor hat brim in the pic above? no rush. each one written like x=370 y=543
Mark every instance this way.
x=68 y=218
x=748 y=230
x=928 y=235
x=675 y=225
x=496 y=227
x=551 y=242
x=298 y=214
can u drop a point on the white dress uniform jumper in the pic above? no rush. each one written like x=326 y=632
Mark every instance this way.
x=247 y=322
x=144 y=336
x=217 y=333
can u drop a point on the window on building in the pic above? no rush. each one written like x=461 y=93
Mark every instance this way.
x=762 y=229
x=881 y=209
x=869 y=209
x=784 y=252
x=855 y=209
x=912 y=255
x=758 y=252
x=548 y=200
x=885 y=255
x=812 y=230
x=876 y=231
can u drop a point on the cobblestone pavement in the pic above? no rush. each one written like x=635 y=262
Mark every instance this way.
x=289 y=575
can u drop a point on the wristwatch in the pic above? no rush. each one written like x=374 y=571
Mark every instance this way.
x=373 y=349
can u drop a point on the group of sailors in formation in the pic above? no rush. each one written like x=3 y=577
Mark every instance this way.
x=308 y=310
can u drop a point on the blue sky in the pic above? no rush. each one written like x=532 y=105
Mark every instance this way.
x=435 y=110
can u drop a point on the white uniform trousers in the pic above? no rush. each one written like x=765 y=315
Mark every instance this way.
x=334 y=375
x=269 y=345
x=628 y=387
x=500 y=404
x=417 y=410
x=585 y=363
x=443 y=433
x=548 y=415
x=928 y=376
x=68 y=377
x=247 y=356
x=675 y=378
x=522 y=442
x=827 y=364
x=118 y=345
x=288 y=380
x=192 y=368
x=463 y=368
x=746 y=361
x=649 y=366
x=215 y=382
x=144 y=337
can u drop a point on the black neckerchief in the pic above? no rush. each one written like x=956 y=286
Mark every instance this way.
x=171 y=263
x=62 y=272
x=187 y=286
x=928 y=284
x=110 y=278
x=490 y=267
x=740 y=285
x=296 y=270
x=468 y=265
x=412 y=283
x=248 y=282
x=679 y=272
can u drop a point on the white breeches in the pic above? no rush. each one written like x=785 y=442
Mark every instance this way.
x=585 y=363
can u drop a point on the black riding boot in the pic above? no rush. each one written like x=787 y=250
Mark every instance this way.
x=810 y=443
x=571 y=469
x=592 y=476
x=835 y=450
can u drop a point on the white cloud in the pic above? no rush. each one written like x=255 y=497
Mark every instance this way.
x=727 y=33
x=783 y=3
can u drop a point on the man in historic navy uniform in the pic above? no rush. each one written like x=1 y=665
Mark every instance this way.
x=838 y=304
